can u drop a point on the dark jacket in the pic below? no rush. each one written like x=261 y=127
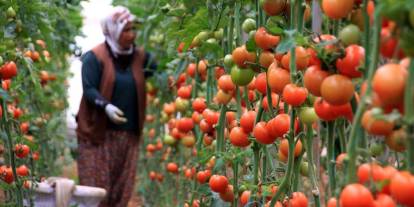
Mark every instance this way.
x=92 y=120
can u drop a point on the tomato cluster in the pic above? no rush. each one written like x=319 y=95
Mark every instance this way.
x=274 y=96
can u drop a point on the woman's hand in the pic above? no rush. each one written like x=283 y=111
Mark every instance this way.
x=115 y=114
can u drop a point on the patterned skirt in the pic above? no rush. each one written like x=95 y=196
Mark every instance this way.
x=110 y=165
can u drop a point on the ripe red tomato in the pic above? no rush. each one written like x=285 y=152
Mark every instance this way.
x=332 y=85
x=218 y=183
x=239 y=138
x=199 y=104
x=261 y=134
x=298 y=200
x=184 y=92
x=205 y=127
x=275 y=99
x=21 y=150
x=376 y=126
x=354 y=58
x=185 y=124
x=241 y=55
x=172 y=167
x=274 y=7
x=294 y=95
x=324 y=110
x=22 y=170
x=244 y=197
x=368 y=171
x=402 y=188
x=202 y=177
x=225 y=83
x=302 y=59
x=210 y=116
x=332 y=202
x=356 y=195
x=228 y=194
x=8 y=70
x=284 y=147
x=266 y=58
x=223 y=97
x=384 y=200
x=247 y=121
x=265 y=40
x=337 y=9
x=313 y=79
x=278 y=126
x=24 y=127
x=196 y=117
x=278 y=78
x=313 y=57
x=389 y=44
x=260 y=83
x=6 y=174
x=397 y=140
x=389 y=83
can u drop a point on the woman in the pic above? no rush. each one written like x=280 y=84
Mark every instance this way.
x=112 y=110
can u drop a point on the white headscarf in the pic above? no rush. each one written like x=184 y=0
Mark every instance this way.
x=112 y=26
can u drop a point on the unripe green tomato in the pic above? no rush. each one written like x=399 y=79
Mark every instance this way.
x=376 y=149
x=196 y=41
x=164 y=117
x=308 y=115
x=19 y=25
x=213 y=144
x=304 y=168
x=10 y=13
x=181 y=104
x=1 y=61
x=248 y=25
x=169 y=140
x=219 y=34
x=412 y=17
x=212 y=41
x=252 y=34
x=242 y=188
x=228 y=60
x=203 y=36
x=350 y=35
x=241 y=77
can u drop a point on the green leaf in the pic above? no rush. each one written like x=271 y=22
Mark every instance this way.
x=211 y=51
x=275 y=30
x=285 y=45
x=219 y=164
x=251 y=45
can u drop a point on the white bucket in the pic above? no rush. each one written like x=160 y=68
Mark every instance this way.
x=61 y=192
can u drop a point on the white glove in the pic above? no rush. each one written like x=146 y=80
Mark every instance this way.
x=115 y=114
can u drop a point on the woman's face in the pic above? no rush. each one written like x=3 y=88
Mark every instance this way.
x=127 y=37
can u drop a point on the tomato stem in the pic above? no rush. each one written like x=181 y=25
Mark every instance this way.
x=235 y=181
x=331 y=158
x=12 y=159
x=366 y=35
x=409 y=116
x=311 y=168
x=356 y=128
x=220 y=132
x=291 y=160
x=237 y=22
